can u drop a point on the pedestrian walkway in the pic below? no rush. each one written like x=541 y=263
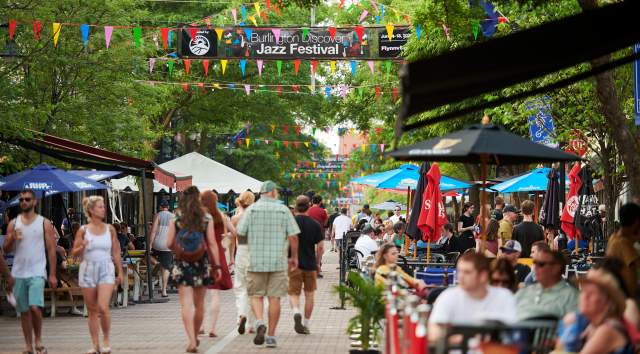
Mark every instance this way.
x=157 y=328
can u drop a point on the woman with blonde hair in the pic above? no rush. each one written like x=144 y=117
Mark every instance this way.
x=97 y=244
x=220 y=226
x=242 y=263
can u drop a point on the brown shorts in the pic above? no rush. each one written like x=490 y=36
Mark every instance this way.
x=299 y=277
x=271 y=284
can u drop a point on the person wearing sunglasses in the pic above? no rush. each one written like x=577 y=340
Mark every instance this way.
x=503 y=275
x=551 y=296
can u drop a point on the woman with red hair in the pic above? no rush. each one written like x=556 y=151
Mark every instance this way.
x=221 y=225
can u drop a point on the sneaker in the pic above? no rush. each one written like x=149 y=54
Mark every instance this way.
x=271 y=342
x=298 y=327
x=242 y=324
x=259 y=338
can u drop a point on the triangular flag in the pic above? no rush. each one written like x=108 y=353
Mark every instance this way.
x=333 y=66
x=378 y=19
x=371 y=66
x=327 y=91
x=243 y=64
x=205 y=66
x=306 y=143
x=234 y=13
x=378 y=91
x=298 y=130
x=37 y=29
x=305 y=34
x=296 y=65
x=170 y=66
x=285 y=128
x=273 y=128
x=253 y=20
x=219 y=32
x=193 y=32
x=375 y=6
x=170 y=39
x=247 y=89
x=12 y=29
x=256 y=5
x=354 y=65
x=389 y=28
x=364 y=147
x=373 y=147
x=297 y=145
x=276 y=33
x=475 y=26
x=187 y=65
x=185 y=87
x=248 y=32
x=332 y=32
x=137 y=35
x=279 y=89
x=341 y=4
x=260 y=63
x=314 y=65
x=382 y=10
x=247 y=141
x=279 y=65
x=275 y=7
x=164 y=33
x=360 y=32
x=201 y=86
x=446 y=31
x=223 y=63
x=286 y=144
x=381 y=147
x=243 y=12
x=152 y=62
x=84 y=32
x=418 y=31
x=268 y=2
x=57 y=27
x=363 y=15
x=296 y=88
x=395 y=94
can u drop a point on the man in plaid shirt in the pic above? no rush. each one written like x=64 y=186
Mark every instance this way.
x=268 y=225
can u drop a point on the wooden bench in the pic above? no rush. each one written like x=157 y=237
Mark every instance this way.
x=54 y=302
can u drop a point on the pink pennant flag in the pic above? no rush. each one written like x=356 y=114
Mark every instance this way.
x=276 y=33
x=234 y=13
x=446 y=31
x=152 y=62
x=371 y=66
x=108 y=30
x=381 y=147
x=375 y=6
x=259 y=62
x=247 y=89
x=363 y=15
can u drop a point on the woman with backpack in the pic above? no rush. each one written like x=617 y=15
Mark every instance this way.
x=221 y=225
x=188 y=236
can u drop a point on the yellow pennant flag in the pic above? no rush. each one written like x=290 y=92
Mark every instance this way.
x=351 y=131
x=333 y=66
x=219 y=33
x=257 y=6
x=395 y=12
x=253 y=20
x=314 y=165
x=217 y=86
x=223 y=62
x=306 y=143
x=248 y=141
x=273 y=128
x=364 y=147
x=277 y=154
x=57 y=27
x=389 y=28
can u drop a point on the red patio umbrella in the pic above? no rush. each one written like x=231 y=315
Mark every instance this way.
x=432 y=214
x=570 y=207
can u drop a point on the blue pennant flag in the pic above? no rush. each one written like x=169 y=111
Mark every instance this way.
x=353 y=67
x=327 y=91
x=243 y=64
x=248 y=32
x=243 y=11
x=418 y=31
x=84 y=29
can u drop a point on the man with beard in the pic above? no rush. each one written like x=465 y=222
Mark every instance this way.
x=32 y=238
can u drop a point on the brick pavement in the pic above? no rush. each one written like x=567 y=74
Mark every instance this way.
x=157 y=328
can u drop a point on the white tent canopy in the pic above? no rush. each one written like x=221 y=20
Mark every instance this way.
x=209 y=174
x=129 y=183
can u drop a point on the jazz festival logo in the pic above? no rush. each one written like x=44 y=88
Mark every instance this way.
x=199 y=45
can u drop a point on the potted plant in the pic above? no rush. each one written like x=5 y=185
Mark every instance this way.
x=368 y=298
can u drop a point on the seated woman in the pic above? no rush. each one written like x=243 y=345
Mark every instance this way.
x=386 y=262
x=490 y=246
x=503 y=275
x=598 y=327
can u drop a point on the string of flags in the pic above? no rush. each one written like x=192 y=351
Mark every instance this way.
x=295 y=144
x=287 y=129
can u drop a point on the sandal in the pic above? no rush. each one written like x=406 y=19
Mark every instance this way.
x=27 y=352
x=41 y=350
x=106 y=350
x=192 y=350
x=92 y=351
x=212 y=335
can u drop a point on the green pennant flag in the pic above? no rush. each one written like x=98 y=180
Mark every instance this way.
x=475 y=27
x=313 y=131
x=360 y=92
x=388 y=65
x=305 y=33
x=137 y=34
x=277 y=143
x=279 y=65
x=170 y=66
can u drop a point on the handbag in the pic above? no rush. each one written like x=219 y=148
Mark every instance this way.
x=225 y=282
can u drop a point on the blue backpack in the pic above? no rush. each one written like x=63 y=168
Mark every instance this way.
x=190 y=245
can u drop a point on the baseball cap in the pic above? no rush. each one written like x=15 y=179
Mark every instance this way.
x=510 y=208
x=268 y=186
x=164 y=203
x=496 y=215
x=511 y=246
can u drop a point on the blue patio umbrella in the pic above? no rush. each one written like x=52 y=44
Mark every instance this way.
x=96 y=175
x=406 y=177
x=533 y=181
x=48 y=180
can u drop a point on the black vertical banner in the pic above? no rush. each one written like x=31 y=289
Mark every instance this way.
x=391 y=48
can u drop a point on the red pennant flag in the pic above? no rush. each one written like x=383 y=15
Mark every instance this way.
x=359 y=32
x=201 y=86
x=502 y=19
x=37 y=28
x=264 y=16
x=164 y=33
x=205 y=65
x=296 y=88
x=332 y=32
x=239 y=142
x=314 y=65
x=286 y=129
x=297 y=130
x=279 y=89
x=378 y=130
x=355 y=146
x=378 y=91
x=12 y=29
x=187 y=65
x=395 y=94
x=275 y=7
x=341 y=4
x=185 y=87
x=193 y=32
x=296 y=144
x=268 y=5
x=296 y=65
x=286 y=144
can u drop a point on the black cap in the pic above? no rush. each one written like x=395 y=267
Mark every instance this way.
x=164 y=203
x=496 y=214
x=510 y=208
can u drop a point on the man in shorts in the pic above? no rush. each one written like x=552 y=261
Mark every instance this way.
x=310 y=249
x=268 y=225
x=33 y=240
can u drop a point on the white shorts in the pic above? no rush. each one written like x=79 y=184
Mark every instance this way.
x=92 y=274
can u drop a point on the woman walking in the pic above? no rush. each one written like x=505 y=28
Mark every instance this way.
x=221 y=224
x=97 y=244
x=188 y=236
x=242 y=263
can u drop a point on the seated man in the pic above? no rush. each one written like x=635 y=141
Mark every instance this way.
x=473 y=300
x=366 y=243
x=511 y=251
x=551 y=296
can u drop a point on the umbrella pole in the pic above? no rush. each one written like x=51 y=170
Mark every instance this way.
x=406 y=240
x=484 y=159
x=535 y=210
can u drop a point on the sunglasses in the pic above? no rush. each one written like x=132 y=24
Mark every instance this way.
x=498 y=281
x=24 y=200
x=542 y=264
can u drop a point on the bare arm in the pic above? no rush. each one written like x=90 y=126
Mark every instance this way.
x=293 y=246
x=460 y=228
x=232 y=244
x=154 y=229
x=213 y=245
x=11 y=237
x=171 y=234
x=79 y=243
x=605 y=339
x=50 y=238
x=319 y=253
x=115 y=252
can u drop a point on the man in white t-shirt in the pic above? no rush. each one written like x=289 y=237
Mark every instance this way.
x=366 y=243
x=341 y=225
x=473 y=300
x=396 y=214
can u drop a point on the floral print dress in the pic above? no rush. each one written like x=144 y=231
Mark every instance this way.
x=193 y=274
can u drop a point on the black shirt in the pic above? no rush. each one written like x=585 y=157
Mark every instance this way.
x=310 y=235
x=466 y=222
x=461 y=243
x=522 y=271
x=527 y=232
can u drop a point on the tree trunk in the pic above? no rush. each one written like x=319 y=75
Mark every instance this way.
x=614 y=116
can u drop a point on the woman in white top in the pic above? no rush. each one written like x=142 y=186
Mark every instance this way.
x=98 y=245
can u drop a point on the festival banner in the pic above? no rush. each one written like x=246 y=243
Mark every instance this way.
x=277 y=43
x=392 y=48
x=541 y=127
